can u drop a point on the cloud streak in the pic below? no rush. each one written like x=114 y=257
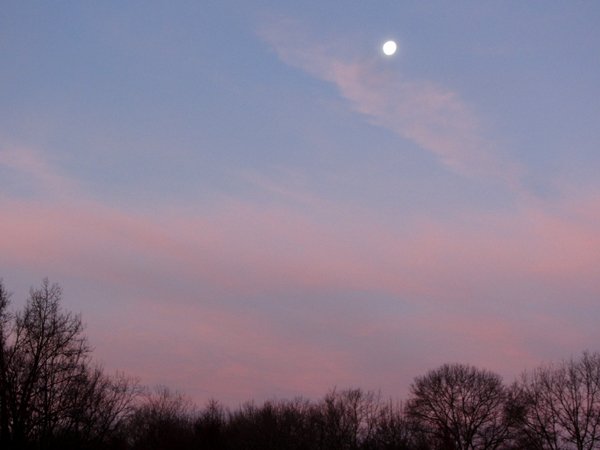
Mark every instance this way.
x=432 y=116
x=35 y=170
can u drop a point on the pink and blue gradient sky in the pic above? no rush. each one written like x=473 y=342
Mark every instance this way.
x=248 y=200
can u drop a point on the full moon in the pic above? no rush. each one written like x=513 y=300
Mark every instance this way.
x=389 y=48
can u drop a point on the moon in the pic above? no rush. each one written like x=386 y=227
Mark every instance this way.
x=389 y=48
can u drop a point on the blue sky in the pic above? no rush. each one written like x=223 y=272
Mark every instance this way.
x=257 y=186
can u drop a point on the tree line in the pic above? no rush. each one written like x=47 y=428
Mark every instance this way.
x=53 y=396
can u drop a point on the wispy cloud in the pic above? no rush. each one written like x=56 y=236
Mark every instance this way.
x=428 y=114
x=33 y=168
x=247 y=249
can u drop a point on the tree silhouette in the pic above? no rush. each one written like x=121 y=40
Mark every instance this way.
x=52 y=396
x=5 y=318
x=50 y=392
x=560 y=404
x=460 y=407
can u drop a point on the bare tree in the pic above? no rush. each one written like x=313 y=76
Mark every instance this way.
x=561 y=404
x=460 y=407
x=210 y=426
x=345 y=419
x=394 y=431
x=163 y=420
x=99 y=406
x=45 y=355
x=48 y=387
x=5 y=318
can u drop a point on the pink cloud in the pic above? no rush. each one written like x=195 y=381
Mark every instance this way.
x=222 y=353
x=250 y=248
x=246 y=250
x=184 y=284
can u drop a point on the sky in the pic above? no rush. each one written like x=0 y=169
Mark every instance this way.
x=249 y=200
